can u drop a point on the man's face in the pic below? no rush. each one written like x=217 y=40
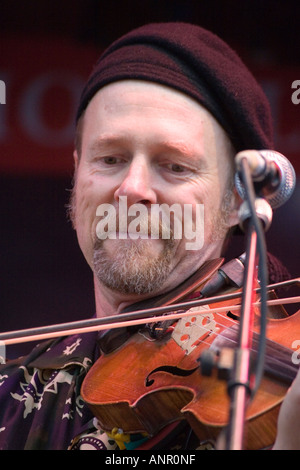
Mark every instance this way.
x=146 y=144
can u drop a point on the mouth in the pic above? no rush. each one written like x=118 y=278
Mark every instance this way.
x=133 y=236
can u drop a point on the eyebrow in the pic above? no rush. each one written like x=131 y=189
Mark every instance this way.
x=178 y=148
x=105 y=140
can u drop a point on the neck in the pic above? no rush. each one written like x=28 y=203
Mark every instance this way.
x=111 y=303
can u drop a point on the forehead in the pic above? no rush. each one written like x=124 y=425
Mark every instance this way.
x=136 y=106
x=142 y=93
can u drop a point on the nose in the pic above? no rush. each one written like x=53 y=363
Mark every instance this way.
x=137 y=184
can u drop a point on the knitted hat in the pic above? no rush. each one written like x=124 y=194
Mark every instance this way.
x=196 y=62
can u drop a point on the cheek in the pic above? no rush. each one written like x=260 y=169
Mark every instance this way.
x=86 y=202
x=84 y=198
x=206 y=207
x=206 y=194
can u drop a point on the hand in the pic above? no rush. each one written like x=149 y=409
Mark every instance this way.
x=288 y=430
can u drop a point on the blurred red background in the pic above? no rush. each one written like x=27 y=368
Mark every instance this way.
x=47 y=51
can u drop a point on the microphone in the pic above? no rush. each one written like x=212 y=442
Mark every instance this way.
x=273 y=175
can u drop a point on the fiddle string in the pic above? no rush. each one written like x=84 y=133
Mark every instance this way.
x=279 y=360
x=276 y=359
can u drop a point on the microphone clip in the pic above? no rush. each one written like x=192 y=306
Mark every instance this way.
x=263 y=211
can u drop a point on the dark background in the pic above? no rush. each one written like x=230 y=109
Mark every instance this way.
x=44 y=278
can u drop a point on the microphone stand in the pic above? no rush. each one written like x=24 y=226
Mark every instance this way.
x=255 y=214
x=238 y=385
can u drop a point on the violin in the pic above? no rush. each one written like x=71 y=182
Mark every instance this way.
x=142 y=384
x=151 y=371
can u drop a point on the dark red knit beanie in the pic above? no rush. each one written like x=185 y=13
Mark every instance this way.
x=196 y=62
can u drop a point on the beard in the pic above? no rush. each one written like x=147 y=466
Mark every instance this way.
x=133 y=266
x=133 y=269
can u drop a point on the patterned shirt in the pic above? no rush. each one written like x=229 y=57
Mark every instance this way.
x=41 y=406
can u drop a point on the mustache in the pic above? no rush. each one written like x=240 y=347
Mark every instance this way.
x=121 y=226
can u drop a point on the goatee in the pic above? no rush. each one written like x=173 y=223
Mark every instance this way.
x=133 y=268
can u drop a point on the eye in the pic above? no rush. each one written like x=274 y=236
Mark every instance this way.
x=111 y=160
x=176 y=168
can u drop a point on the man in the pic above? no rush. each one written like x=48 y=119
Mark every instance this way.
x=163 y=114
x=151 y=145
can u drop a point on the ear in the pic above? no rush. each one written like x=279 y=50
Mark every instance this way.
x=76 y=160
x=71 y=205
x=235 y=203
